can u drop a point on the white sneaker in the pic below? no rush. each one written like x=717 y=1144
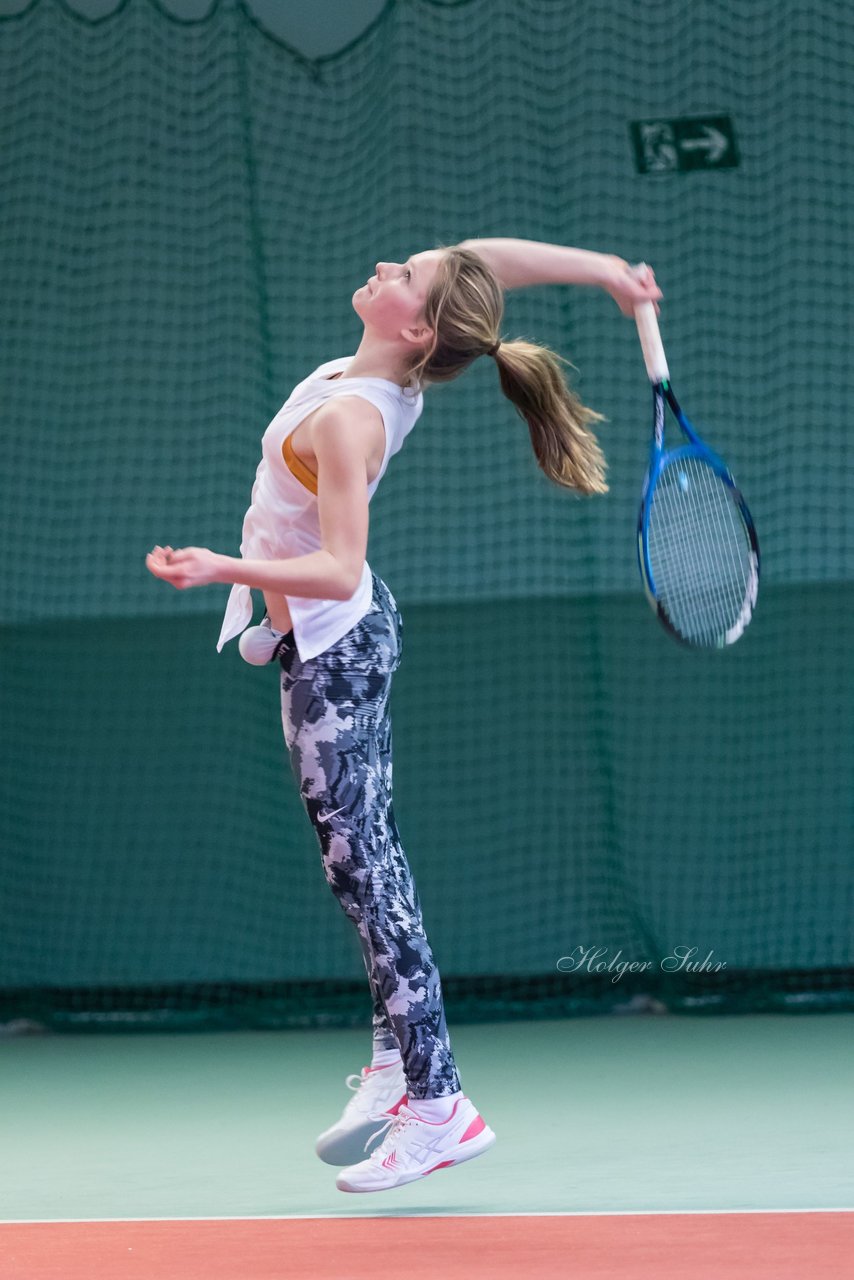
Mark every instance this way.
x=412 y=1148
x=258 y=645
x=380 y=1092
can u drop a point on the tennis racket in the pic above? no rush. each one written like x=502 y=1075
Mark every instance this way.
x=697 y=548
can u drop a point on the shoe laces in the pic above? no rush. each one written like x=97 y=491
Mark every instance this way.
x=395 y=1126
x=358 y=1077
x=363 y=1100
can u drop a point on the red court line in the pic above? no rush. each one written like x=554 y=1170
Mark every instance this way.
x=726 y=1246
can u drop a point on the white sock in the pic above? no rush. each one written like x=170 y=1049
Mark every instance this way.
x=436 y=1110
x=384 y=1057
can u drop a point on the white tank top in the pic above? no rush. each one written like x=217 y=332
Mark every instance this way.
x=282 y=520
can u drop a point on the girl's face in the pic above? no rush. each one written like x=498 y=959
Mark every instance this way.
x=391 y=303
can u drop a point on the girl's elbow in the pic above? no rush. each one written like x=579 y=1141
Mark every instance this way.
x=348 y=581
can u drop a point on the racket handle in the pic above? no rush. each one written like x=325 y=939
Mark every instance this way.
x=650 y=338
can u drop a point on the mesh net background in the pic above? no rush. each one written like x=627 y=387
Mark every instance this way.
x=185 y=209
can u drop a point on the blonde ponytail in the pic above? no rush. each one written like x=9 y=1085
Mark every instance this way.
x=464 y=308
x=533 y=381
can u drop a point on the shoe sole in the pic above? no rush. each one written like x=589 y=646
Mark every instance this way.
x=474 y=1147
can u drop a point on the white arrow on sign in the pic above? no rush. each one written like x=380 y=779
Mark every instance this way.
x=714 y=142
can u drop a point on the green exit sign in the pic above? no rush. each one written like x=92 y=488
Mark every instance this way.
x=675 y=146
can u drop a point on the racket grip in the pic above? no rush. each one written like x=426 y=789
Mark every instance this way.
x=650 y=337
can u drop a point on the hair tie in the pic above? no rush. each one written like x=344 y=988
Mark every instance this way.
x=493 y=350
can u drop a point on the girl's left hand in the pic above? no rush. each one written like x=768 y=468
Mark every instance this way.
x=628 y=288
x=187 y=567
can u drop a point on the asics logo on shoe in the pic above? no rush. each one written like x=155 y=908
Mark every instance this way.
x=422 y=1151
x=324 y=817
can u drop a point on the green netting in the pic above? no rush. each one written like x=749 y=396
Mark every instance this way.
x=185 y=211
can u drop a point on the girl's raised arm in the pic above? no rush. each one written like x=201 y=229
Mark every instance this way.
x=520 y=263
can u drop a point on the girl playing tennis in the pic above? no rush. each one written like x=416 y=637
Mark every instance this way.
x=336 y=631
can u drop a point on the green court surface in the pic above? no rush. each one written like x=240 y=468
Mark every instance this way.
x=600 y=1114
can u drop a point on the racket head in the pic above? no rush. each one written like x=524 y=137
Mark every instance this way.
x=698 y=551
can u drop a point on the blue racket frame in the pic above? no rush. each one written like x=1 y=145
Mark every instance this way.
x=658 y=459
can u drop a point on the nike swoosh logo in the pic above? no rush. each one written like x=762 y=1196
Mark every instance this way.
x=323 y=817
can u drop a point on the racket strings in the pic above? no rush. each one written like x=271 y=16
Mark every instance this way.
x=700 y=553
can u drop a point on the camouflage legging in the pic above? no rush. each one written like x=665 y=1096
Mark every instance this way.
x=335 y=715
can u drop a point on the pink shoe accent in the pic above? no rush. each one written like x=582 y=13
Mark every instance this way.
x=446 y=1164
x=392 y=1111
x=388 y=1065
x=476 y=1126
